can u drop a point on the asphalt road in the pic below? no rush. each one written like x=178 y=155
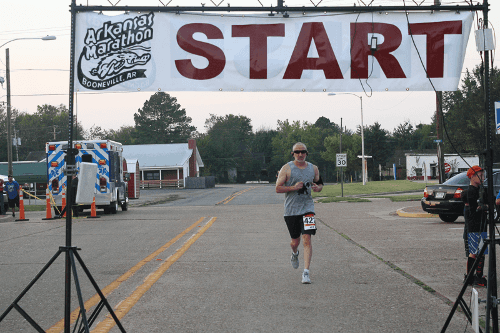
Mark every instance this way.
x=217 y=260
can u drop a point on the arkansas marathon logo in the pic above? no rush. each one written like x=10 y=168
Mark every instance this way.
x=113 y=54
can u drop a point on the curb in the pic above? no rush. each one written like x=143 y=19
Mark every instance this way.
x=402 y=213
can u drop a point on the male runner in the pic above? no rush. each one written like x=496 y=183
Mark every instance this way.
x=296 y=179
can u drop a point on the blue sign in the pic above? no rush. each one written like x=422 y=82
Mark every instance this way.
x=497 y=116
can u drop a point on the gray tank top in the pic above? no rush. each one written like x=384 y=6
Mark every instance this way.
x=299 y=203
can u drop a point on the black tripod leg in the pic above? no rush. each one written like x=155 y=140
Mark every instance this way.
x=96 y=287
x=29 y=319
x=94 y=314
x=51 y=261
x=491 y=308
x=79 y=291
x=464 y=288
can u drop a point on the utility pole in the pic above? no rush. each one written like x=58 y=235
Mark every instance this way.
x=9 y=134
x=439 y=130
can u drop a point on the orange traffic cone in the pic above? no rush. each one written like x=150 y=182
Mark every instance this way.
x=21 y=206
x=48 y=213
x=93 y=213
x=63 y=201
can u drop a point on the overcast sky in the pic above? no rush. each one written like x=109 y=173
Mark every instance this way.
x=40 y=75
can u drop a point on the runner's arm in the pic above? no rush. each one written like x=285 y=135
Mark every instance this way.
x=315 y=186
x=283 y=176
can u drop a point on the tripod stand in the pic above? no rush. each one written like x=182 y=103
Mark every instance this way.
x=86 y=322
x=491 y=275
x=70 y=266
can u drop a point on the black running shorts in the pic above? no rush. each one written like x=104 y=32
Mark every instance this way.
x=295 y=224
x=14 y=202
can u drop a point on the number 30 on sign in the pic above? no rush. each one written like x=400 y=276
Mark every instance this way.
x=341 y=160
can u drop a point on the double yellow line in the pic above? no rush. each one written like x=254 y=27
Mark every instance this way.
x=234 y=195
x=126 y=305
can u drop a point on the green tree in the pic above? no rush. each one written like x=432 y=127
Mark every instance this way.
x=3 y=132
x=162 y=120
x=48 y=123
x=124 y=135
x=424 y=135
x=291 y=133
x=403 y=136
x=225 y=145
x=465 y=117
x=351 y=145
x=379 y=147
x=262 y=149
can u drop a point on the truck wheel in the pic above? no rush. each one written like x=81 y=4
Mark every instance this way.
x=113 y=207
x=124 y=205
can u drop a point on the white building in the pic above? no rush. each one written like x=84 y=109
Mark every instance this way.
x=425 y=166
x=165 y=163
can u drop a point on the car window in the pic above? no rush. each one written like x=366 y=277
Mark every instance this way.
x=460 y=179
x=496 y=178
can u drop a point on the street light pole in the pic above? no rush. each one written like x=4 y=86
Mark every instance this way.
x=363 y=171
x=9 y=115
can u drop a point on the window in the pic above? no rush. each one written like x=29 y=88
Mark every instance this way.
x=151 y=175
x=87 y=158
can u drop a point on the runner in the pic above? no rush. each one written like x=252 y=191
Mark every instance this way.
x=296 y=179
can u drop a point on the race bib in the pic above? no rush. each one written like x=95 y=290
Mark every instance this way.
x=309 y=222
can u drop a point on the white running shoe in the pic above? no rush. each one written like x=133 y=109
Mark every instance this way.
x=305 y=278
x=295 y=260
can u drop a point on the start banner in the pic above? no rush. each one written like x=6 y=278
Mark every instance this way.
x=382 y=51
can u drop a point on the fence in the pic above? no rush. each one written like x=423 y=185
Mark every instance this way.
x=146 y=184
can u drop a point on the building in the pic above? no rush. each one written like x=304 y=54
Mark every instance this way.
x=425 y=166
x=32 y=173
x=165 y=164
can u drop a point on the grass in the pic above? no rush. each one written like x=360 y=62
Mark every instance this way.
x=386 y=186
x=33 y=208
x=342 y=199
x=398 y=198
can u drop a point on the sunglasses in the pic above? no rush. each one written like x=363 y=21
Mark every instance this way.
x=300 y=152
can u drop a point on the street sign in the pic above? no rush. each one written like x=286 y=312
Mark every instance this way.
x=497 y=116
x=438 y=141
x=447 y=168
x=341 y=160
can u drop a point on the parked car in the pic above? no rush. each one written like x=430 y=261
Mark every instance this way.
x=446 y=199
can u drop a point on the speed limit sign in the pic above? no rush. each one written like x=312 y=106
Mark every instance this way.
x=341 y=160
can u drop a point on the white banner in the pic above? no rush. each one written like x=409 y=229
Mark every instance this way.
x=304 y=52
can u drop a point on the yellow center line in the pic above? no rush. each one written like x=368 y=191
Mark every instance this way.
x=126 y=305
x=59 y=326
x=234 y=195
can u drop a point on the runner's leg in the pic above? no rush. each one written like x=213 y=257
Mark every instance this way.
x=307 y=250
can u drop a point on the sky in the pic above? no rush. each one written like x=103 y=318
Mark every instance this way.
x=40 y=75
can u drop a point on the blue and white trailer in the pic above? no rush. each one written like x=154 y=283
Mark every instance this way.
x=110 y=180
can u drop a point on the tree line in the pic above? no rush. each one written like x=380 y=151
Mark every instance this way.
x=232 y=151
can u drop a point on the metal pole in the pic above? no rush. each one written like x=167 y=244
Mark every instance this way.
x=439 y=126
x=341 y=168
x=362 y=143
x=70 y=164
x=491 y=301
x=9 y=116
